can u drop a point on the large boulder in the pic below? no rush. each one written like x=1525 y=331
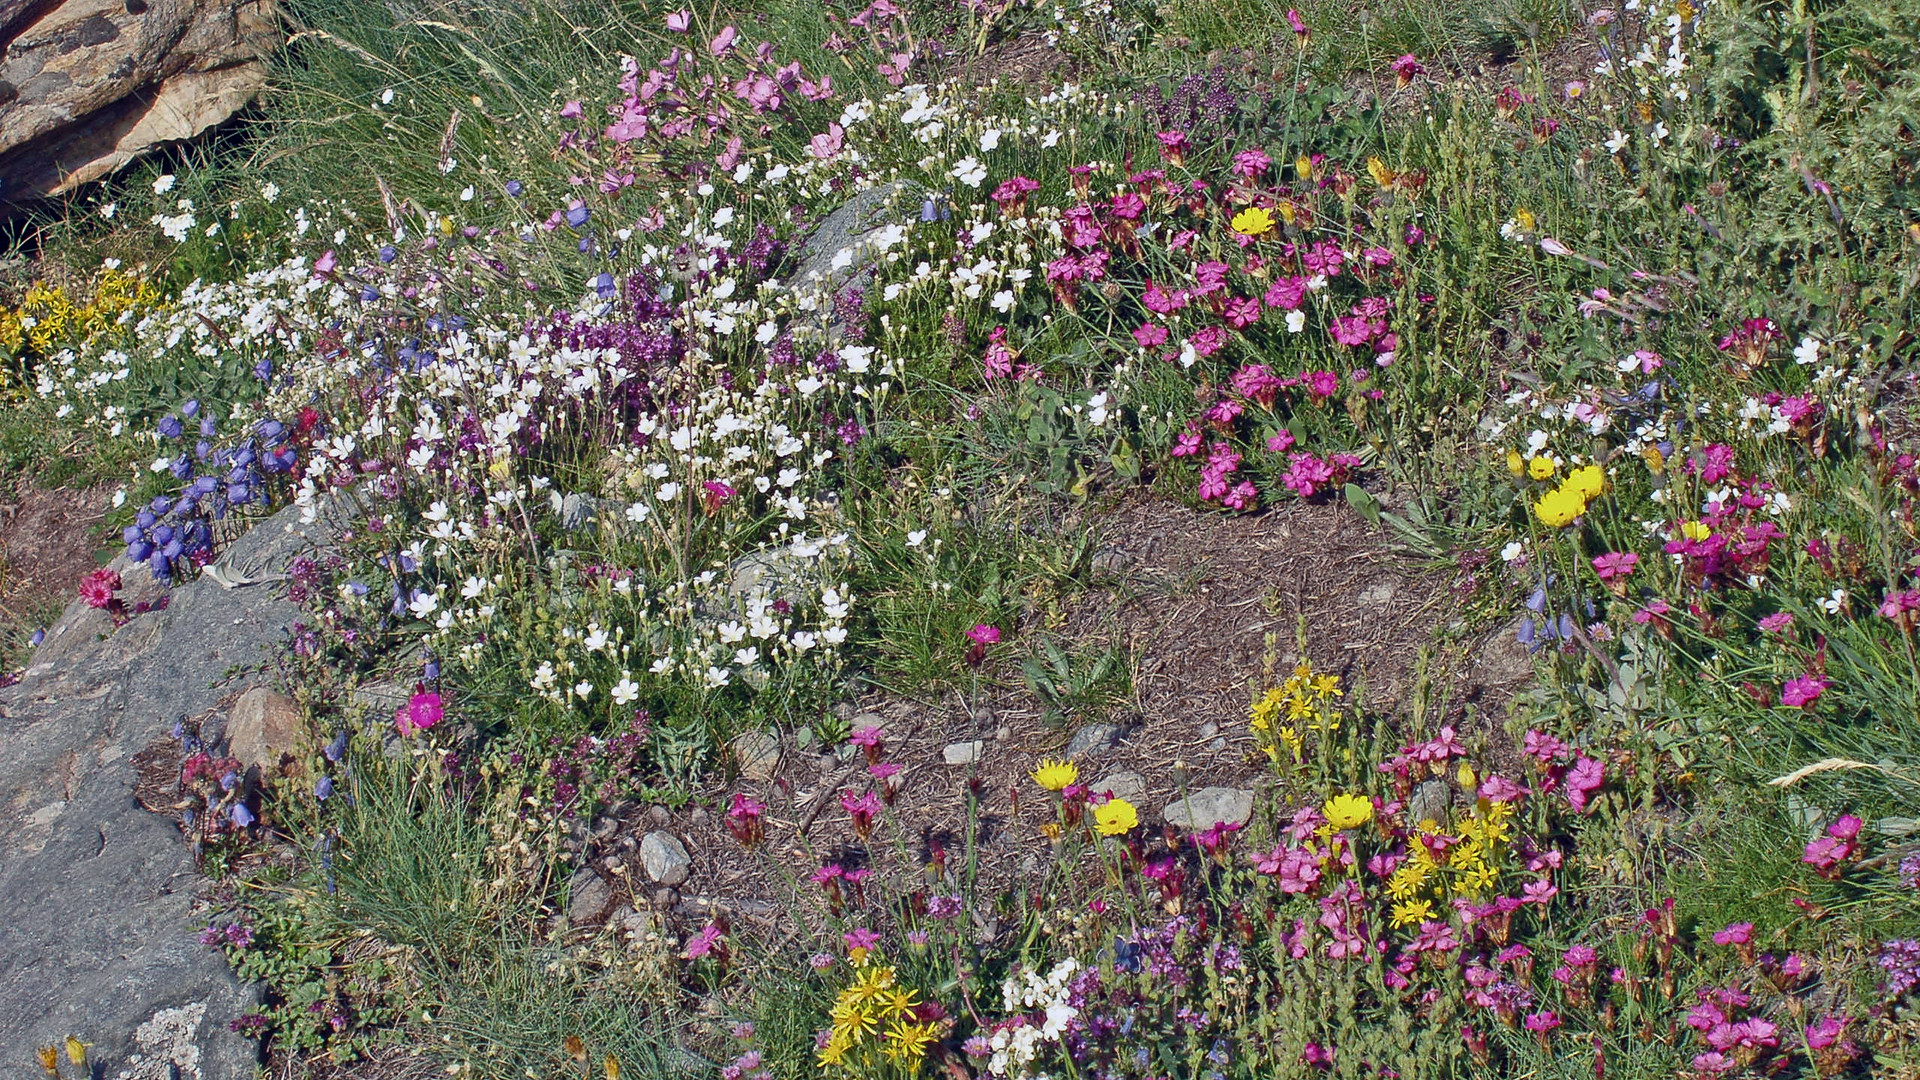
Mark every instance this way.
x=103 y=943
x=88 y=85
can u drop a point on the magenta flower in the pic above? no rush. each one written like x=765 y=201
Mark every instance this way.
x=983 y=634
x=1585 y=778
x=680 y=21
x=1405 y=68
x=1734 y=934
x=1541 y=1022
x=422 y=711
x=1826 y=1032
x=1803 y=691
x=1777 y=623
x=745 y=820
x=723 y=40
x=861 y=811
x=861 y=939
x=1615 y=564
x=98 y=587
x=1830 y=853
x=708 y=942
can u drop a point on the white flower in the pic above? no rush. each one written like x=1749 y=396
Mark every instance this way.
x=386 y=96
x=1097 y=409
x=1659 y=132
x=638 y=512
x=163 y=184
x=717 y=677
x=746 y=657
x=424 y=605
x=1003 y=301
x=1836 y=602
x=625 y=690
x=1618 y=142
x=1512 y=551
x=109 y=210
x=731 y=632
x=1051 y=139
x=270 y=192
x=582 y=689
x=1296 y=321
x=916 y=537
x=1808 y=351
x=989 y=139
x=668 y=492
x=969 y=172
x=596 y=639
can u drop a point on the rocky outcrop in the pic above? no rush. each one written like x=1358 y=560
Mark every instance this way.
x=101 y=942
x=88 y=85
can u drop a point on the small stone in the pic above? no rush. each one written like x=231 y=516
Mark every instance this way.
x=963 y=753
x=1126 y=785
x=867 y=719
x=604 y=827
x=665 y=858
x=1003 y=733
x=1208 y=806
x=1209 y=729
x=1379 y=593
x=588 y=897
x=1093 y=737
x=700 y=817
x=1429 y=802
x=1111 y=562
x=1217 y=743
x=757 y=754
x=983 y=717
x=577 y=511
x=263 y=726
x=658 y=814
x=664 y=898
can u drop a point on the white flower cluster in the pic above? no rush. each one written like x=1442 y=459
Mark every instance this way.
x=1016 y=1047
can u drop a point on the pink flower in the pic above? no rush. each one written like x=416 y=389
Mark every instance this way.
x=680 y=21
x=828 y=143
x=723 y=40
x=1286 y=293
x=983 y=634
x=1734 y=934
x=1407 y=67
x=422 y=711
x=1615 y=564
x=324 y=264
x=1825 y=1033
x=861 y=810
x=1279 y=441
x=744 y=820
x=861 y=938
x=1585 y=778
x=1803 y=691
x=98 y=587
x=1539 y=892
x=1777 y=623
x=707 y=941
x=1249 y=164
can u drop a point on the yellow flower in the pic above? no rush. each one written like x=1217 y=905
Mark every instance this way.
x=1559 y=507
x=907 y=1043
x=1304 y=166
x=1695 y=530
x=1466 y=777
x=854 y=1020
x=1115 y=817
x=77 y=1050
x=1516 y=464
x=1407 y=880
x=1265 y=711
x=899 y=1002
x=611 y=1067
x=1348 y=811
x=1589 y=480
x=50 y=1060
x=1477 y=880
x=1656 y=461
x=1412 y=912
x=835 y=1052
x=1254 y=221
x=1525 y=218
x=1328 y=686
x=1055 y=775
x=1541 y=468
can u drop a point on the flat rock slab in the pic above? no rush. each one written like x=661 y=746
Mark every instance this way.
x=1210 y=806
x=102 y=944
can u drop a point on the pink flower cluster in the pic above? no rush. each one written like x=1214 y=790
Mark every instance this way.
x=1829 y=854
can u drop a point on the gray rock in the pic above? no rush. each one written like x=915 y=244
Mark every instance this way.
x=1209 y=729
x=757 y=754
x=1003 y=733
x=963 y=753
x=578 y=511
x=108 y=950
x=665 y=858
x=777 y=573
x=1217 y=743
x=88 y=85
x=1126 y=785
x=658 y=814
x=263 y=726
x=847 y=226
x=1429 y=802
x=1377 y=594
x=1111 y=562
x=1208 y=806
x=588 y=898
x=1092 y=738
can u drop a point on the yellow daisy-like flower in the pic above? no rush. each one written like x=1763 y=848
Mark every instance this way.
x=1254 y=221
x=1382 y=174
x=907 y=1043
x=1055 y=775
x=1265 y=711
x=835 y=1052
x=854 y=1020
x=1407 y=880
x=1348 y=811
x=1328 y=686
x=1115 y=817
x=1479 y=879
x=1695 y=530
x=1559 y=507
x=1412 y=913
x=900 y=1002
x=1526 y=219
x=1589 y=480
x=1542 y=468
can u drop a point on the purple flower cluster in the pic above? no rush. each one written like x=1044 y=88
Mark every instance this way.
x=173 y=532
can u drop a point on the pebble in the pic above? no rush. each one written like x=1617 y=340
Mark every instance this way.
x=1126 y=785
x=963 y=753
x=665 y=858
x=659 y=815
x=1204 y=808
x=588 y=896
x=757 y=753
x=1093 y=737
x=1209 y=729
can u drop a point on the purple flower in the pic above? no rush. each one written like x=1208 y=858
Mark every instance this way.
x=241 y=816
x=1803 y=691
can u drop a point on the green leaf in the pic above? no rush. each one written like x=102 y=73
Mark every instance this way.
x=1367 y=505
